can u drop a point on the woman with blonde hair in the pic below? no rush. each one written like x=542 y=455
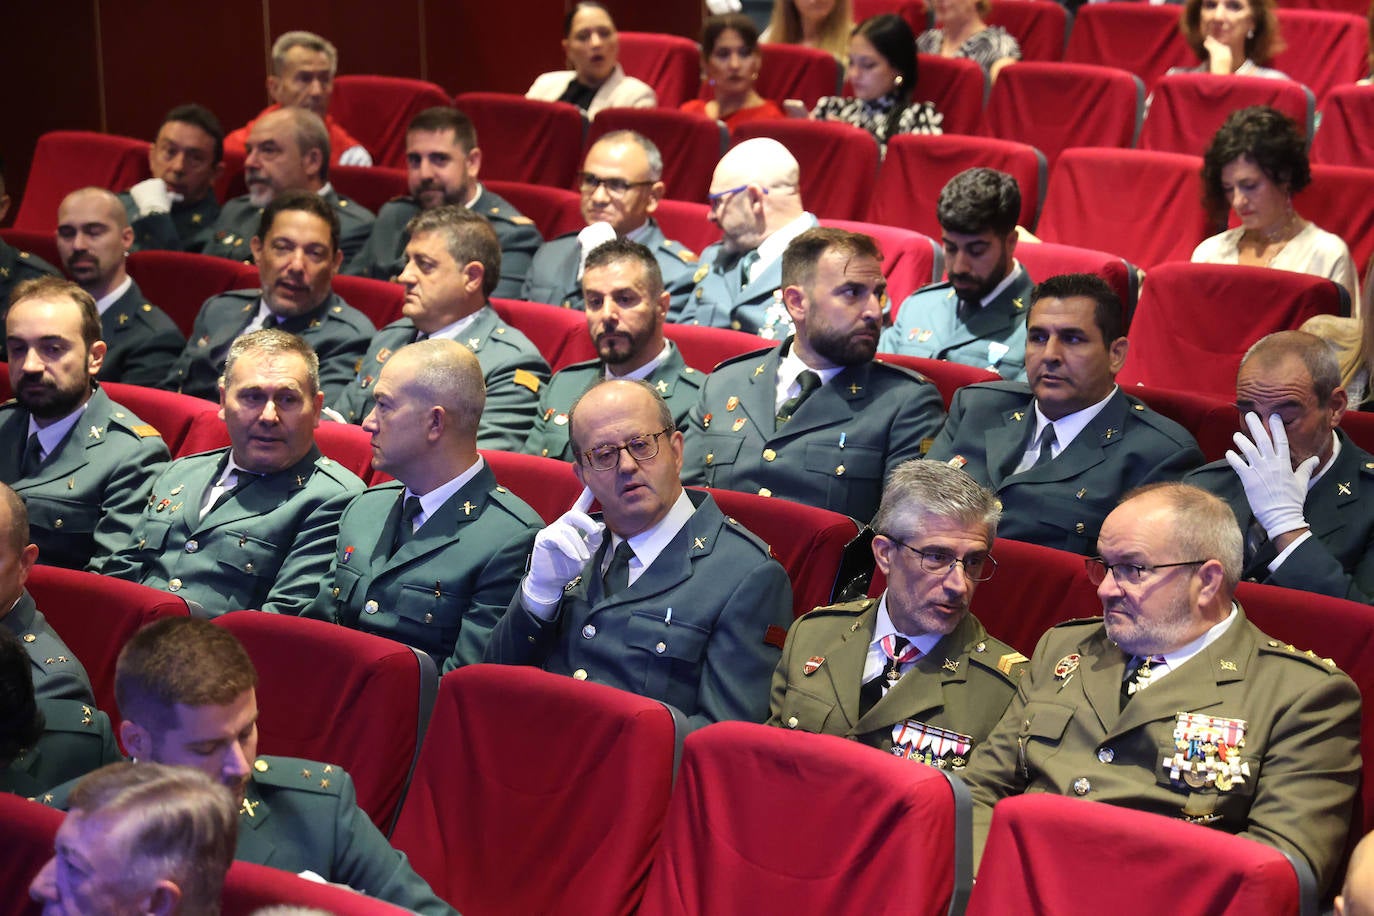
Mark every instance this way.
x=823 y=24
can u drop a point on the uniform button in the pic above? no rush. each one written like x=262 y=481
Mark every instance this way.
x=260 y=766
x=764 y=491
x=1105 y=755
x=429 y=618
x=588 y=631
x=661 y=648
x=769 y=454
x=57 y=524
x=192 y=545
x=371 y=606
x=791 y=721
x=580 y=674
x=174 y=585
x=1081 y=786
x=248 y=567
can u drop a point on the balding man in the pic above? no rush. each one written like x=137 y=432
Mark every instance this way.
x=621 y=183
x=433 y=558
x=756 y=201
x=1174 y=703
x=1300 y=489
x=288 y=150
x=176 y=209
x=303 y=69
x=93 y=239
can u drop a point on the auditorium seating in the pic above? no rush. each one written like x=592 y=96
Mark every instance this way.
x=1188 y=108
x=179 y=282
x=361 y=702
x=379 y=300
x=377 y=110
x=170 y=412
x=1340 y=199
x=345 y=443
x=691 y=144
x=30 y=828
x=1208 y=416
x=1359 y=426
x=797 y=72
x=1141 y=205
x=767 y=820
x=95 y=616
x=839 y=162
x=957 y=86
x=371 y=186
x=915 y=12
x=1136 y=37
x=249 y=887
x=948 y=377
x=510 y=126
x=1346 y=134
x=703 y=348
x=918 y=167
x=555 y=211
x=1195 y=321
x=65 y=160
x=1046 y=259
x=1325 y=49
x=910 y=260
x=1065 y=855
x=559 y=334
x=686 y=222
x=1040 y=27
x=548 y=486
x=1051 y=106
x=41 y=244
x=670 y=64
x=559 y=804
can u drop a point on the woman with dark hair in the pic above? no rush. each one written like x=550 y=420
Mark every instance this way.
x=963 y=33
x=1255 y=164
x=596 y=80
x=1232 y=37
x=882 y=76
x=730 y=59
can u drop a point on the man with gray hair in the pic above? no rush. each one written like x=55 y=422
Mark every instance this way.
x=303 y=69
x=1300 y=488
x=912 y=671
x=141 y=838
x=756 y=201
x=621 y=183
x=453 y=261
x=1174 y=703
x=252 y=525
x=287 y=150
x=433 y=558
x=978 y=315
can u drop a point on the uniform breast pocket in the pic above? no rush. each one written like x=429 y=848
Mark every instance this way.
x=61 y=516
x=853 y=474
x=345 y=588
x=1042 y=730
x=1075 y=522
x=807 y=712
x=249 y=555
x=429 y=617
x=152 y=534
x=721 y=452
x=672 y=657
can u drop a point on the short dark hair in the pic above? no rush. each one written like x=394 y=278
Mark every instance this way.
x=803 y=252
x=52 y=287
x=182 y=660
x=623 y=249
x=21 y=721
x=980 y=199
x=305 y=201
x=1108 y=314
x=469 y=237
x=715 y=26
x=204 y=118
x=578 y=7
x=444 y=117
x=1265 y=135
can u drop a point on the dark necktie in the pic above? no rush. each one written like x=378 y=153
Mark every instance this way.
x=899 y=651
x=746 y=263
x=33 y=457
x=405 y=528
x=617 y=577
x=1046 y=446
x=809 y=382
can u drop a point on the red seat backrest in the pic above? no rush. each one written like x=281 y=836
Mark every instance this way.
x=806 y=540
x=671 y=64
x=824 y=150
x=1209 y=417
x=249 y=887
x=1137 y=37
x=910 y=260
x=748 y=832
x=371 y=186
x=918 y=167
x=378 y=109
x=1064 y=853
x=685 y=222
x=957 y=86
x=1096 y=199
x=30 y=829
x=95 y=616
x=171 y=412
x=65 y=160
x=1346 y=134
x=40 y=244
x=560 y=334
x=179 y=282
x=1040 y=27
x=947 y=377
x=345 y=443
x=1340 y=199
x=703 y=348
x=555 y=211
x=379 y=300
x=1359 y=426
x=510 y=126
x=691 y=144
x=796 y=72
x=547 y=485
x=1047 y=259
x=1195 y=321
x=1052 y=106
x=1188 y=108
x=1325 y=49
x=914 y=12
x=515 y=757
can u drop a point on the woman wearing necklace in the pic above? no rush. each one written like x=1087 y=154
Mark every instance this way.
x=730 y=59
x=1232 y=37
x=963 y=33
x=1255 y=164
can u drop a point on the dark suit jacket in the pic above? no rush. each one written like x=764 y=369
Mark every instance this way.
x=57 y=673
x=141 y=340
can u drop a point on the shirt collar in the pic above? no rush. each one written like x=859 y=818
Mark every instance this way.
x=113 y=295
x=1066 y=429
x=1335 y=453
x=434 y=499
x=1173 y=659
x=791 y=366
x=1012 y=276
x=650 y=542
x=50 y=437
x=451 y=331
x=645 y=370
x=884 y=627
x=771 y=248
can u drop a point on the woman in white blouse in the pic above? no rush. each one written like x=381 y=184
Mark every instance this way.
x=596 y=80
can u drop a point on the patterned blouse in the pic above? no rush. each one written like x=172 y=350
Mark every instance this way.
x=985 y=48
x=918 y=118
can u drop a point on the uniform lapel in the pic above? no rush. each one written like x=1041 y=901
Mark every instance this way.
x=758 y=401
x=921 y=690
x=1088 y=448
x=845 y=660
x=1006 y=444
x=1327 y=501
x=1101 y=670
x=836 y=401
x=445 y=528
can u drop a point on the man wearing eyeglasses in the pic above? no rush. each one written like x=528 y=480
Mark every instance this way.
x=1174 y=703
x=621 y=183
x=911 y=672
x=756 y=201
x=662 y=595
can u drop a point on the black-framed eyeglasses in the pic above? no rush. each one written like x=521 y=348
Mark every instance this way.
x=640 y=448
x=1129 y=573
x=614 y=186
x=978 y=567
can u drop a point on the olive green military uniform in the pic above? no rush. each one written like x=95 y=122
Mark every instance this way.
x=553 y=273
x=512 y=368
x=188 y=227
x=383 y=257
x=265 y=545
x=1290 y=722
x=88 y=494
x=678 y=382
x=948 y=701
x=238 y=222
x=337 y=332
x=141 y=340
x=57 y=673
x=77 y=739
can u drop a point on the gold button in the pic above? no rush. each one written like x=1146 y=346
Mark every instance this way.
x=710 y=456
x=57 y=524
x=839 y=471
x=791 y=721
x=260 y=765
x=174 y=585
x=429 y=618
x=1078 y=528
x=29 y=637
x=661 y=648
x=769 y=454
x=580 y=674
x=764 y=491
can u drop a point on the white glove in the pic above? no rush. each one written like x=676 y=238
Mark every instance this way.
x=560 y=552
x=598 y=233
x=721 y=7
x=151 y=196
x=1275 y=489
x=355 y=155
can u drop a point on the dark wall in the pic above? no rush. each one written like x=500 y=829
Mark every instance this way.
x=119 y=65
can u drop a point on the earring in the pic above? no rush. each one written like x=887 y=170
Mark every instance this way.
x=898 y=80
x=1250 y=34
